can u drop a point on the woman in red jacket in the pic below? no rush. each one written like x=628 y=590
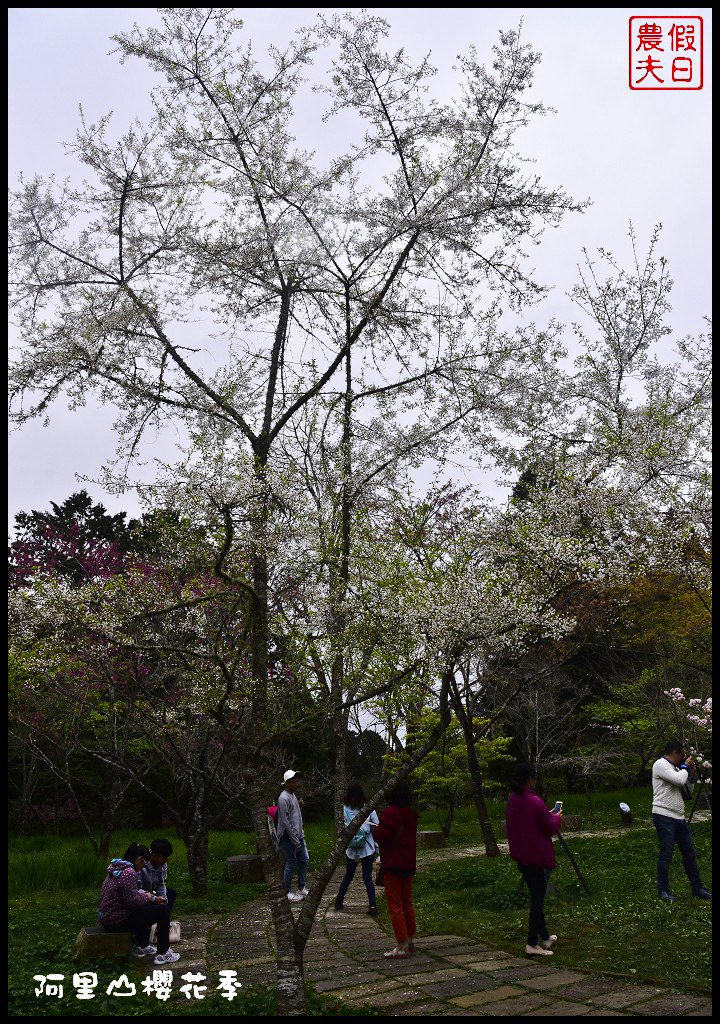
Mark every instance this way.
x=397 y=836
x=530 y=827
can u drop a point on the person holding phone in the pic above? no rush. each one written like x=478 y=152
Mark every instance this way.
x=530 y=828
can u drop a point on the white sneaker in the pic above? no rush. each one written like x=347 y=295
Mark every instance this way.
x=166 y=958
x=304 y=891
x=145 y=950
x=295 y=896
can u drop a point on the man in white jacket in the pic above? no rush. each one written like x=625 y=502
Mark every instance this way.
x=669 y=774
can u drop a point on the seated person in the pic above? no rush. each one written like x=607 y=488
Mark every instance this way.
x=124 y=907
x=153 y=877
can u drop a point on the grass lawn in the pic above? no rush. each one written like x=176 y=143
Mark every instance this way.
x=621 y=927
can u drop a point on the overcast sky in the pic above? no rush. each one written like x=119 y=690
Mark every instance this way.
x=640 y=156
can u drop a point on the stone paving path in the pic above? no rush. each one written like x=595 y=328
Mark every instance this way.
x=427 y=857
x=448 y=976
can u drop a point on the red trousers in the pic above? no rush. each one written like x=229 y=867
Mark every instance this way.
x=399 y=900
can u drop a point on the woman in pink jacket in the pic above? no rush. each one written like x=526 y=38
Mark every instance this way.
x=125 y=907
x=530 y=827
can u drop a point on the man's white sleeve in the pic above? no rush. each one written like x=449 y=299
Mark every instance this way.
x=665 y=771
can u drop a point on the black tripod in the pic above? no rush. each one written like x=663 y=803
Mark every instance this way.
x=697 y=796
x=566 y=848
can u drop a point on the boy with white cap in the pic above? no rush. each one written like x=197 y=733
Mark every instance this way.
x=291 y=836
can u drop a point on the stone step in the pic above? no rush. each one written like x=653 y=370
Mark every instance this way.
x=95 y=941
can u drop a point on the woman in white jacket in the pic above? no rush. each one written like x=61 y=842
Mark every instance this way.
x=670 y=774
x=362 y=848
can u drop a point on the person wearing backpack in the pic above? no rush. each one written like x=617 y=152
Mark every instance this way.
x=362 y=848
x=291 y=836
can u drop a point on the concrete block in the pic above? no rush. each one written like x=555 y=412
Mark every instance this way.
x=245 y=868
x=430 y=840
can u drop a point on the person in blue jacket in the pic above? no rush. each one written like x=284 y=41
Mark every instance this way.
x=362 y=848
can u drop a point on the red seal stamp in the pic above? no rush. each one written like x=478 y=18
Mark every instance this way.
x=666 y=52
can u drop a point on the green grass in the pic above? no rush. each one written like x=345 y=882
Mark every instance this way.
x=46 y=863
x=622 y=927
x=605 y=812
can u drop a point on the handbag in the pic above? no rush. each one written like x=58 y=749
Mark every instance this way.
x=174 y=933
x=380 y=875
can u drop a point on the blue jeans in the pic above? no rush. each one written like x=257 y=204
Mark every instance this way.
x=671 y=831
x=291 y=855
x=350 y=867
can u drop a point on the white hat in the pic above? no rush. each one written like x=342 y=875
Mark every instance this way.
x=289 y=775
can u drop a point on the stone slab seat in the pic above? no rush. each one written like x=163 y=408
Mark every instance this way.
x=245 y=868
x=430 y=840
x=95 y=941
x=571 y=823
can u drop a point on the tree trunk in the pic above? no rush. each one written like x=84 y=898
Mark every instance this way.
x=588 y=796
x=290 y=979
x=338 y=591
x=340 y=725
x=196 y=842
x=105 y=841
x=110 y=806
x=476 y=783
x=290 y=945
x=28 y=785
x=290 y=972
x=446 y=825
x=476 y=786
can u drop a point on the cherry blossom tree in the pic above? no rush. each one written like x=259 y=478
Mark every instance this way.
x=77 y=540
x=299 y=268
x=130 y=673
x=698 y=713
